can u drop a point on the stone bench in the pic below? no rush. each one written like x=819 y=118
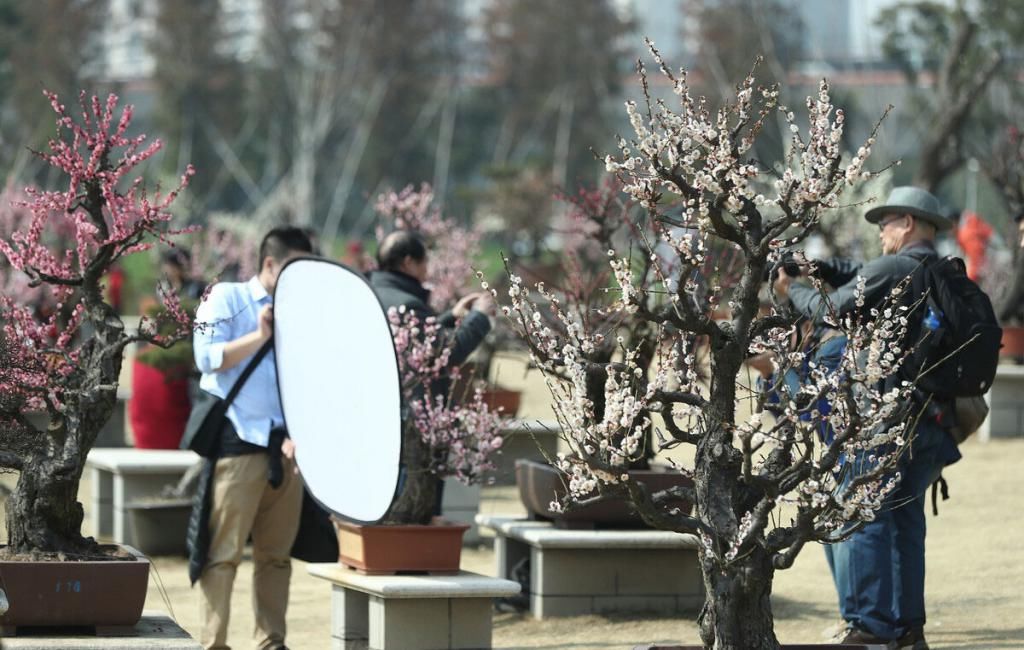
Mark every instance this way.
x=121 y=478
x=416 y=612
x=155 y=631
x=577 y=572
x=1006 y=418
x=524 y=439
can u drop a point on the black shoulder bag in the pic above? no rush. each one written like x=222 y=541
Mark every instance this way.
x=203 y=430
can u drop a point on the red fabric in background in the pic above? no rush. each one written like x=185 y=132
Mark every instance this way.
x=972 y=236
x=158 y=408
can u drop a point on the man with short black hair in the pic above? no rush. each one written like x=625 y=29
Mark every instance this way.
x=879 y=571
x=252 y=488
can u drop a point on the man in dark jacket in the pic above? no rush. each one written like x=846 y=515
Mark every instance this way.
x=879 y=571
x=403 y=265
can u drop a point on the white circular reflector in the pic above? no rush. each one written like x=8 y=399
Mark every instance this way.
x=337 y=374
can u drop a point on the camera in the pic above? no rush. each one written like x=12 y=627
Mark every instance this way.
x=788 y=263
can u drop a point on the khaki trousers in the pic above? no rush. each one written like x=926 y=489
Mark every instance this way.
x=244 y=503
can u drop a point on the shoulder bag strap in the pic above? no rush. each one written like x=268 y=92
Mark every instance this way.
x=248 y=371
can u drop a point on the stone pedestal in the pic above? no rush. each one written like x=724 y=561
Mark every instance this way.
x=123 y=476
x=460 y=504
x=155 y=631
x=411 y=612
x=1006 y=401
x=576 y=572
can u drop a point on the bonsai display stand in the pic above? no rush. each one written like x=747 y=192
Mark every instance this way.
x=411 y=612
x=122 y=477
x=1006 y=419
x=155 y=631
x=577 y=572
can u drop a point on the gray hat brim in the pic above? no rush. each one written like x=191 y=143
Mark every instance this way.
x=874 y=215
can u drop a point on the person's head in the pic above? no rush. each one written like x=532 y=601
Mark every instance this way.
x=174 y=265
x=405 y=252
x=909 y=215
x=278 y=246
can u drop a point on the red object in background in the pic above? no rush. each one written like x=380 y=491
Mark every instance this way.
x=973 y=236
x=115 y=282
x=158 y=408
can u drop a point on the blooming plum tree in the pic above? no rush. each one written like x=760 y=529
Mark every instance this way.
x=65 y=364
x=445 y=435
x=766 y=482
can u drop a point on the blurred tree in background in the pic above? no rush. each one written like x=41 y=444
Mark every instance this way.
x=303 y=110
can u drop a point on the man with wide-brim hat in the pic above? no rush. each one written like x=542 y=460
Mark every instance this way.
x=879 y=570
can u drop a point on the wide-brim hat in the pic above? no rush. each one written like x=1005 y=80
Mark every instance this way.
x=911 y=200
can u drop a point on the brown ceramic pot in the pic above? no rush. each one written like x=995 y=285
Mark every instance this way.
x=1013 y=344
x=384 y=550
x=104 y=593
x=540 y=484
x=507 y=400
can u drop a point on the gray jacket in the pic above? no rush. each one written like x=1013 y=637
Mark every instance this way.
x=880 y=276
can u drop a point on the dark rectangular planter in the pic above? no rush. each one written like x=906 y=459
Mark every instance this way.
x=384 y=550
x=540 y=484
x=91 y=593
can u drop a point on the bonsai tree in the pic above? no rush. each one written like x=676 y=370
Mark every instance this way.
x=68 y=366
x=764 y=485
x=446 y=433
x=450 y=430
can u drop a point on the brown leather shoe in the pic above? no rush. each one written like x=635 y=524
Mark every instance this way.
x=857 y=636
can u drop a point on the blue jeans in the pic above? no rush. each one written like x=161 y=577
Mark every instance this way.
x=879 y=570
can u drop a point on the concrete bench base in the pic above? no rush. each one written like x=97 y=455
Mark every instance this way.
x=122 y=477
x=1006 y=419
x=155 y=631
x=411 y=612
x=577 y=572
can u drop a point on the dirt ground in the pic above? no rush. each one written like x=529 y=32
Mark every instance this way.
x=975 y=574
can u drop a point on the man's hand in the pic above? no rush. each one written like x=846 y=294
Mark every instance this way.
x=781 y=285
x=266 y=322
x=288 y=448
x=486 y=304
x=464 y=304
x=288 y=451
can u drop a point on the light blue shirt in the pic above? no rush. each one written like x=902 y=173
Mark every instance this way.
x=231 y=311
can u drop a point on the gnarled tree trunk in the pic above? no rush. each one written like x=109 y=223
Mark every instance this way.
x=43 y=512
x=418 y=487
x=737 y=614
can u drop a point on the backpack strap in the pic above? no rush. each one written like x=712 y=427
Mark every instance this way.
x=940 y=484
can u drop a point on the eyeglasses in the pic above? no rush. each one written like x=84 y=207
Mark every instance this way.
x=885 y=222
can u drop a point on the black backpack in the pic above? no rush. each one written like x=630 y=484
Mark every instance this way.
x=955 y=331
